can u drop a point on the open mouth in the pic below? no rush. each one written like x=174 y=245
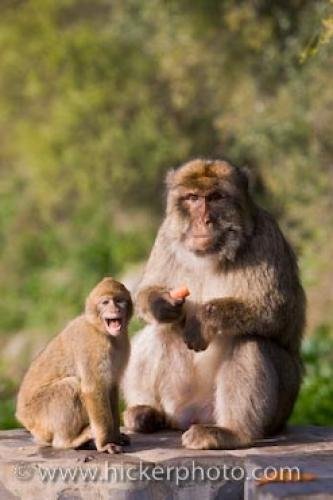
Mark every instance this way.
x=113 y=325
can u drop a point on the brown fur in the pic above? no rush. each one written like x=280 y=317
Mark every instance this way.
x=70 y=393
x=238 y=373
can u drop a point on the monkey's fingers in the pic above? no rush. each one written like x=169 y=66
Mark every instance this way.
x=210 y=308
x=179 y=293
x=112 y=448
x=166 y=309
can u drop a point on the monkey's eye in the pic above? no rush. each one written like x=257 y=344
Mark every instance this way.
x=215 y=196
x=122 y=303
x=192 y=197
x=105 y=302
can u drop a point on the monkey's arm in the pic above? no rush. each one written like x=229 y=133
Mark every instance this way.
x=96 y=380
x=97 y=403
x=229 y=317
x=274 y=312
x=235 y=317
x=272 y=317
x=152 y=299
x=114 y=402
x=122 y=438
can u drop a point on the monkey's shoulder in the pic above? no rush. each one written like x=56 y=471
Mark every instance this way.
x=81 y=332
x=268 y=240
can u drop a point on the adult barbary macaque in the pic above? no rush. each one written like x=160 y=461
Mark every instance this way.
x=224 y=364
x=70 y=393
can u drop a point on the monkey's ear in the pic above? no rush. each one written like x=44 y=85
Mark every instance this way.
x=246 y=177
x=169 y=178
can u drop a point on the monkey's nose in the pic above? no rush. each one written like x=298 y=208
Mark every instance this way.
x=116 y=311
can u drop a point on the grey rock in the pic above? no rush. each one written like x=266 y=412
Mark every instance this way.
x=156 y=466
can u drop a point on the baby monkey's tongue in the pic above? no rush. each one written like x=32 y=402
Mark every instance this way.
x=113 y=325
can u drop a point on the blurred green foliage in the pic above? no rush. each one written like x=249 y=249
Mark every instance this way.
x=316 y=399
x=7 y=403
x=314 y=405
x=99 y=98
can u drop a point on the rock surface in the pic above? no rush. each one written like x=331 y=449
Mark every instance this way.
x=155 y=466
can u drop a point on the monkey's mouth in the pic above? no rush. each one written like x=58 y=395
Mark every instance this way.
x=200 y=242
x=113 y=324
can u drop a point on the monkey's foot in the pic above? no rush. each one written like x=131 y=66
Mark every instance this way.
x=201 y=437
x=144 y=418
x=111 y=448
x=124 y=439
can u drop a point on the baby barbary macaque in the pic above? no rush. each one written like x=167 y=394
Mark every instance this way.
x=70 y=393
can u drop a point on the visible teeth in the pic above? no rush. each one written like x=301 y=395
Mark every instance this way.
x=113 y=321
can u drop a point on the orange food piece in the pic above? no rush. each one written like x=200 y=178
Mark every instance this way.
x=179 y=293
x=285 y=476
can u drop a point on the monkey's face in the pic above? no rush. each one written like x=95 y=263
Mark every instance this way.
x=109 y=307
x=209 y=216
x=113 y=313
x=209 y=208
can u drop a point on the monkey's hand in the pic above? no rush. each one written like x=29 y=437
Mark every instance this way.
x=228 y=316
x=211 y=311
x=193 y=334
x=110 y=448
x=164 y=308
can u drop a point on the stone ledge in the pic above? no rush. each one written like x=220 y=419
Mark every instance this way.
x=23 y=465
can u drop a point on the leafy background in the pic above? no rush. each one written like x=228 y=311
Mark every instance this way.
x=99 y=98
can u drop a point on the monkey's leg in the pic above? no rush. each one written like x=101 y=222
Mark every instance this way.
x=252 y=396
x=144 y=418
x=62 y=416
x=144 y=413
x=60 y=441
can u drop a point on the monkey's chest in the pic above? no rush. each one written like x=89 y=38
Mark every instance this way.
x=189 y=396
x=112 y=366
x=196 y=404
x=208 y=286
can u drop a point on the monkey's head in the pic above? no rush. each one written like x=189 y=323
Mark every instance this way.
x=209 y=208
x=109 y=307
